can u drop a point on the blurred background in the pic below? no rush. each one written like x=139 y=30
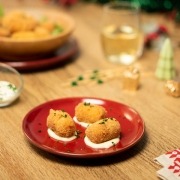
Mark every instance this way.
x=151 y=5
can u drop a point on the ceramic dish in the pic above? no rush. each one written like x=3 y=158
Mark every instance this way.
x=15 y=49
x=64 y=54
x=11 y=84
x=35 y=129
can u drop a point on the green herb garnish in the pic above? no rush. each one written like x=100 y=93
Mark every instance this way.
x=87 y=104
x=93 y=77
x=95 y=71
x=12 y=87
x=77 y=133
x=1 y=11
x=80 y=78
x=103 y=121
x=74 y=83
x=99 y=81
x=57 y=29
x=64 y=115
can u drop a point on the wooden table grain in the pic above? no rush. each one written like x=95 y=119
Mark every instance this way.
x=160 y=112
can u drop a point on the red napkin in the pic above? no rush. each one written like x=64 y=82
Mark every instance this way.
x=171 y=165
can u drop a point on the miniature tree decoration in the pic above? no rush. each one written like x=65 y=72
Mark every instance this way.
x=165 y=66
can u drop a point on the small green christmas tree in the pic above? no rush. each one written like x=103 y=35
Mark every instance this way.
x=165 y=66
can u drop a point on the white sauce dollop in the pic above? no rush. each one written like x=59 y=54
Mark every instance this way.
x=7 y=91
x=103 y=145
x=84 y=124
x=59 y=138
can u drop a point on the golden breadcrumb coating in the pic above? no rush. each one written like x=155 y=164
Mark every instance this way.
x=20 y=25
x=31 y=35
x=4 y=32
x=18 y=21
x=49 y=25
x=89 y=113
x=41 y=32
x=24 y=35
x=61 y=123
x=103 y=130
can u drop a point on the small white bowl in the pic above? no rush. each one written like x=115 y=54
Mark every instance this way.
x=11 y=84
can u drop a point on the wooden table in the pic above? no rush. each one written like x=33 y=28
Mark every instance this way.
x=160 y=112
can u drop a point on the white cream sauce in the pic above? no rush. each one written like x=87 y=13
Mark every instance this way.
x=59 y=138
x=103 y=145
x=7 y=91
x=84 y=124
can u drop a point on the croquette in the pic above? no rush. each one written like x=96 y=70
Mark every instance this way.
x=24 y=35
x=4 y=32
x=89 y=113
x=61 y=123
x=23 y=26
x=18 y=21
x=49 y=25
x=103 y=130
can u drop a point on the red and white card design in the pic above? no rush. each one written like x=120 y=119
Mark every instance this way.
x=171 y=165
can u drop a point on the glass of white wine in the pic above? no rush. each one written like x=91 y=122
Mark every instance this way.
x=121 y=36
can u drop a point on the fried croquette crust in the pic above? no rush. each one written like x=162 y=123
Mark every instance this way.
x=24 y=35
x=103 y=130
x=61 y=123
x=20 y=25
x=41 y=32
x=4 y=32
x=89 y=113
x=18 y=21
x=48 y=25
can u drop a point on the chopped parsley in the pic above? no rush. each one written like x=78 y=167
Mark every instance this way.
x=99 y=81
x=57 y=30
x=87 y=104
x=103 y=121
x=77 y=133
x=93 y=77
x=95 y=71
x=74 y=83
x=1 y=11
x=80 y=78
x=11 y=86
x=94 y=74
x=64 y=115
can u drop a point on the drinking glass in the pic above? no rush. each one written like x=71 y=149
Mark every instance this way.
x=121 y=36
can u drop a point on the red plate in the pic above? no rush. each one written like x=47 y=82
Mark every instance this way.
x=62 y=55
x=35 y=129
